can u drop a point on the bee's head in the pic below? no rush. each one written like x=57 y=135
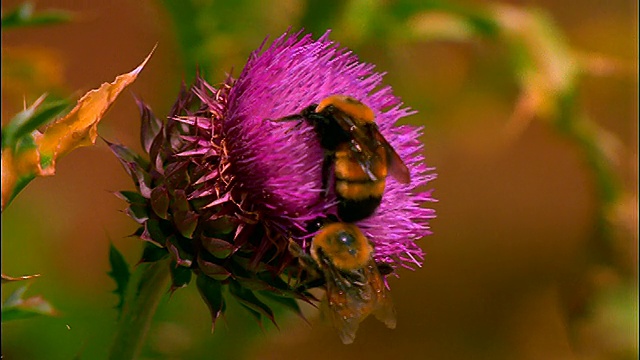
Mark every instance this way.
x=343 y=245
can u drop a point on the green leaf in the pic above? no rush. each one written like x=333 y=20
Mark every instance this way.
x=134 y=165
x=23 y=15
x=186 y=222
x=17 y=307
x=217 y=247
x=138 y=212
x=177 y=251
x=287 y=302
x=124 y=154
x=148 y=286
x=249 y=300
x=152 y=253
x=180 y=276
x=214 y=271
x=28 y=120
x=119 y=273
x=279 y=287
x=254 y=313
x=133 y=197
x=150 y=125
x=211 y=292
x=256 y=284
x=160 y=201
x=25 y=144
x=154 y=233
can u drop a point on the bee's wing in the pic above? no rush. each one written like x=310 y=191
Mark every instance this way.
x=345 y=305
x=347 y=326
x=384 y=310
x=397 y=168
x=363 y=146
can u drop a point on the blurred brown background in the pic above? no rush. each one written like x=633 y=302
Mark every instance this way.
x=508 y=272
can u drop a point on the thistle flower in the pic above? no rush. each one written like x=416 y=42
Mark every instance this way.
x=224 y=189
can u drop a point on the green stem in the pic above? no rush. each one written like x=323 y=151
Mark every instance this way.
x=587 y=136
x=148 y=284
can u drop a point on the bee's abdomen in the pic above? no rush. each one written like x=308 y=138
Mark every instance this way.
x=358 y=194
x=348 y=168
x=358 y=199
x=359 y=190
x=355 y=210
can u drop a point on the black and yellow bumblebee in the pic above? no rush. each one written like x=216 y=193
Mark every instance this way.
x=361 y=157
x=342 y=256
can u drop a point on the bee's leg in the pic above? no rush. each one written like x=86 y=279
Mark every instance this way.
x=293 y=117
x=296 y=250
x=326 y=171
x=295 y=127
x=287 y=118
x=312 y=283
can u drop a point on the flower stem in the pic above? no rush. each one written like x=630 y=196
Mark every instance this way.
x=147 y=286
x=594 y=141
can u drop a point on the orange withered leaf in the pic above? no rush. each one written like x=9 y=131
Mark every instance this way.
x=7 y=278
x=76 y=129
x=79 y=127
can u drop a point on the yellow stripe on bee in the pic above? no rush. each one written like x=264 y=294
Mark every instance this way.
x=348 y=105
x=360 y=191
x=347 y=167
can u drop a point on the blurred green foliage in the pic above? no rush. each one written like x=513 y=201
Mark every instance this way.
x=16 y=306
x=24 y=16
x=18 y=134
x=120 y=273
x=30 y=119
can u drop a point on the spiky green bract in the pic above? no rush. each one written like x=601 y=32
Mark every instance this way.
x=190 y=207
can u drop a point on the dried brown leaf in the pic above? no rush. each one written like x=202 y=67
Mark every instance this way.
x=79 y=127
x=76 y=129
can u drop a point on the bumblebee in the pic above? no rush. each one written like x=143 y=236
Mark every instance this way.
x=342 y=256
x=361 y=157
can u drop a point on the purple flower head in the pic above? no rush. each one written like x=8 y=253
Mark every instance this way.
x=225 y=188
x=292 y=73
